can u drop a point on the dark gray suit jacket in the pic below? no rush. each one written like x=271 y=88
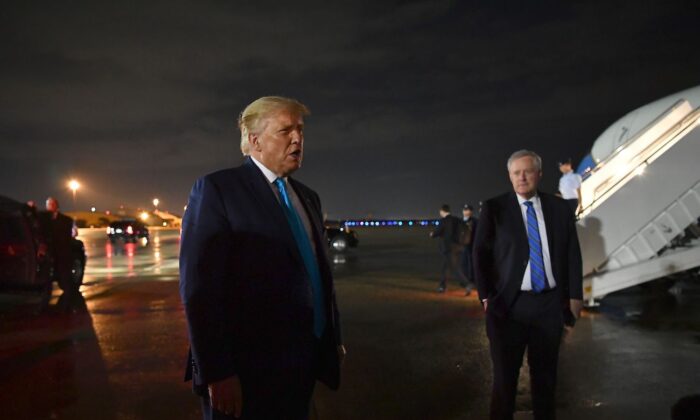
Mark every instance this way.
x=501 y=251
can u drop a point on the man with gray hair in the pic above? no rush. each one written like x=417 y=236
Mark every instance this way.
x=255 y=278
x=527 y=264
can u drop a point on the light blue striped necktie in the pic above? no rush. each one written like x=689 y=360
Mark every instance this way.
x=307 y=255
x=537 y=274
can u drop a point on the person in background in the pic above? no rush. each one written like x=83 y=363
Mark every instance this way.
x=527 y=262
x=57 y=230
x=570 y=185
x=468 y=228
x=447 y=231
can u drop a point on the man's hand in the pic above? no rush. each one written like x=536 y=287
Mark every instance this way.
x=226 y=396
x=485 y=304
x=341 y=354
x=575 y=306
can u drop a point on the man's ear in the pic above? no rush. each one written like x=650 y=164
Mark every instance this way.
x=254 y=141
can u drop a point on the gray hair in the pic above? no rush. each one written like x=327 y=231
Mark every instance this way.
x=251 y=119
x=523 y=153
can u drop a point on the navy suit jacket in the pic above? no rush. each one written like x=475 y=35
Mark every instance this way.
x=245 y=290
x=501 y=251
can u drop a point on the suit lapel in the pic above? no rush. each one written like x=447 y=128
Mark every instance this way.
x=548 y=213
x=516 y=214
x=266 y=198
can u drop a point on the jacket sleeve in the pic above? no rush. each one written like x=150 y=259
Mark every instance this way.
x=482 y=252
x=203 y=276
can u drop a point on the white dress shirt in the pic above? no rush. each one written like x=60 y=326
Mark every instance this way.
x=569 y=183
x=537 y=205
x=293 y=197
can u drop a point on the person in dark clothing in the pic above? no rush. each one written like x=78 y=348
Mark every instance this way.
x=57 y=230
x=469 y=223
x=255 y=279
x=527 y=262
x=448 y=233
x=686 y=408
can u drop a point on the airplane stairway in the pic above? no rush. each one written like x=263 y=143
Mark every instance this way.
x=638 y=203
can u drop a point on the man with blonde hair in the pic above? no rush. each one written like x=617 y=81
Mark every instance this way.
x=255 y=279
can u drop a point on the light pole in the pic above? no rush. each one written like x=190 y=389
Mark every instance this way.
x=74 y=186
x=155 y=203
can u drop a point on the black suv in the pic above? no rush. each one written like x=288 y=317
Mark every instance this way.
x=23 y=265
x=340 y=237
x=128 y=230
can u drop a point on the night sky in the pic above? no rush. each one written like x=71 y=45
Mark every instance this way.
x=414 y=103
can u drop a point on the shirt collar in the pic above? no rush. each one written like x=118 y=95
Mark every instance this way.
x=535 y=199
x=271 y=176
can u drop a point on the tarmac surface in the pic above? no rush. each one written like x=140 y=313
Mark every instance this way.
x=118 y=351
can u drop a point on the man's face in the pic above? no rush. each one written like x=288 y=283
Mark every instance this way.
x=467 y=213
x=280 y=145
x=51 y=205
x=524 y=176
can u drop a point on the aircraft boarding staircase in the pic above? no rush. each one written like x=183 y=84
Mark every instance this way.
x=638 y=202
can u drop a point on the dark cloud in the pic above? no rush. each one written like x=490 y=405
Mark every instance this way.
x=414 y=103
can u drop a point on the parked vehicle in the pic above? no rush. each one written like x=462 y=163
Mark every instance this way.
x=340 y=237
x=128 y=230
x=22 y=266
x=25 y=262
x=78 y=264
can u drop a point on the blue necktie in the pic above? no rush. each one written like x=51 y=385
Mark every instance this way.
x=537 y=273
x=307 y=254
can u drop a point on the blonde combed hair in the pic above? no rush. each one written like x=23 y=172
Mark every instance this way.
x=253 y=116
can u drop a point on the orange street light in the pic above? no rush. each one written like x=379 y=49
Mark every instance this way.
x=74 y=186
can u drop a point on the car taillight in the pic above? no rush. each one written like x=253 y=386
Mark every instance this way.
x=13 y=250
x=130 y=230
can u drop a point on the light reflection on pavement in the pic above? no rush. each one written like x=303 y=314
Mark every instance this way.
x=154 y=259
x=413 y=353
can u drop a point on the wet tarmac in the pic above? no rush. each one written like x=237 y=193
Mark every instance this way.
x=117 y=352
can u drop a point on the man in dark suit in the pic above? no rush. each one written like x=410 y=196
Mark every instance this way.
x=468 y=229
x=447 y=231
x=528 y=270
x=255 y=279
x=57 y=230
